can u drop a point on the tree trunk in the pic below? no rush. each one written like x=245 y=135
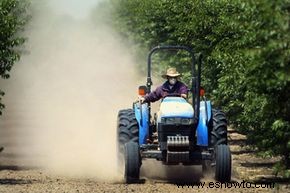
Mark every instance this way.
x=287 y=160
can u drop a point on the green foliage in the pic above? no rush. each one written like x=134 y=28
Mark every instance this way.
x=246 y=45
x=13 y=16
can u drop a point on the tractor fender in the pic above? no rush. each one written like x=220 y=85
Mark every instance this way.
x=204 y=118
x=142 y=117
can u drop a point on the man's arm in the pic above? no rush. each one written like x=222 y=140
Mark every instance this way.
x=183 y=90
x=154 y=95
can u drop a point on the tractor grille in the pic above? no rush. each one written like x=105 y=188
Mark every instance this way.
x=177 y=143
x=177 y=135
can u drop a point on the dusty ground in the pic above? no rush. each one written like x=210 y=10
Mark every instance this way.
x=17 y=177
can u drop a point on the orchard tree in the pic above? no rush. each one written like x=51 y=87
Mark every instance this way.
x=246 y=68
x=13 y=17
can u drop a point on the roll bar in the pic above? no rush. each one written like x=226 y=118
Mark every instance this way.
x=195 y=75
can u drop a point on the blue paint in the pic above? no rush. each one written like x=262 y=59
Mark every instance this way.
x=142 y=117
x=202 y=128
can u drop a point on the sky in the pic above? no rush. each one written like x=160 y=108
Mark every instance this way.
x=75 y=8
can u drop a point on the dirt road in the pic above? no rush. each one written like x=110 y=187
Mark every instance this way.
x=19 y=174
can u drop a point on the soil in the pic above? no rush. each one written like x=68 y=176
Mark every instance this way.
x=19 y=175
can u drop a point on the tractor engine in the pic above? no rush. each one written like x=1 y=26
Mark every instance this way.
x=175 y=126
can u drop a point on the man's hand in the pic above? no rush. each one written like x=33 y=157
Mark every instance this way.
x=141 y=99
x=183 y=96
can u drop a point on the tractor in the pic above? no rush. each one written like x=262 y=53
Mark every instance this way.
x=182 y=132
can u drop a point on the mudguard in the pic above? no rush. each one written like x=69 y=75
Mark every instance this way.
x=202 y=128
x=142 y=116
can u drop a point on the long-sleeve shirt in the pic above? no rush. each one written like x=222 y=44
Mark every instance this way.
x=165 y=89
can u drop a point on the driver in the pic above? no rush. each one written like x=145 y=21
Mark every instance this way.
x=171 y=86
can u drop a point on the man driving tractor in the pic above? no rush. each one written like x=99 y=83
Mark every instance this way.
x=172 y=86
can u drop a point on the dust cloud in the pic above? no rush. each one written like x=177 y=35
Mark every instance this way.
x=64 y=94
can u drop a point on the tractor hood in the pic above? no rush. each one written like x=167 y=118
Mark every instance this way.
x=175 y=107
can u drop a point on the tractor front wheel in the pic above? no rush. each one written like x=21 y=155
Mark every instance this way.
x=223 y=163
x=132 y=162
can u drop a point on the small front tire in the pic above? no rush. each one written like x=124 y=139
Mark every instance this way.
x=132 y=162
x=223 y=166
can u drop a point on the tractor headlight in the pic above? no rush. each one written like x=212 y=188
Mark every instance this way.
x=177 y=120
x=170 y=120
x=185 y=121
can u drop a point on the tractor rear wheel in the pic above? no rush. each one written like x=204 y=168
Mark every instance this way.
x=218 y=133
x=223 y=163
x=132 y=162
x=127 y=130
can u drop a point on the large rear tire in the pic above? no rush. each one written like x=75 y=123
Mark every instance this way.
x=218 y=133
x=132 y=162
x=223 y=166
x=127 y=128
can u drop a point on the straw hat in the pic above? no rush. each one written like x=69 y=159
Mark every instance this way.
x=171 y=72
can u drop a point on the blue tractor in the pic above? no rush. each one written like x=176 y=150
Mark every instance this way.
x=187 y=133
